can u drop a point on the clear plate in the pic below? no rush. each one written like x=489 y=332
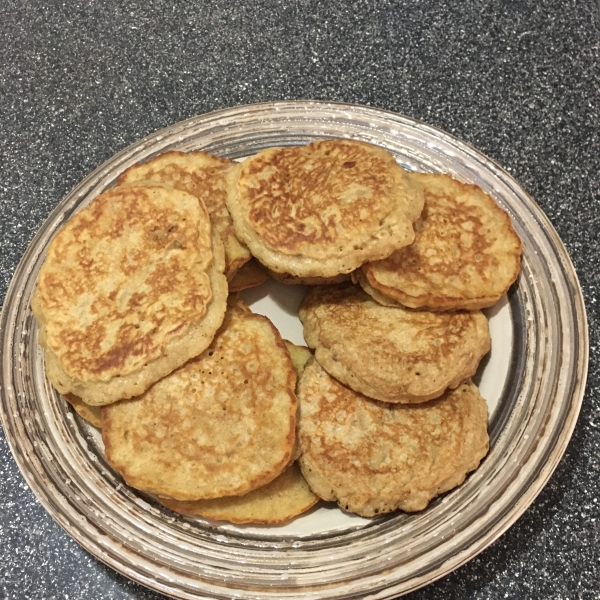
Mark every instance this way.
x=533 y=381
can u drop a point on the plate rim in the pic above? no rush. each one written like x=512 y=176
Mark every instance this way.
x=557 y=451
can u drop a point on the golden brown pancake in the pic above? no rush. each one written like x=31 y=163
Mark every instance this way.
x=291 y=280
x=466 y=253
x=234 y=301
x=203 y=176
x=373 y=458
x=284 y=498
x=92 y=414
x=221 y=425
x=361 y=279
x=300 y=356
x=323 y=209
x=250 y=274
x=391 y=354
x=132 y=287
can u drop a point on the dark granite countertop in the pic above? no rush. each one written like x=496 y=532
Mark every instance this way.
x=79 y=81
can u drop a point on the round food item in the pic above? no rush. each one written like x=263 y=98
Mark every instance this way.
x=392 y=354
x=292 y=280
x=221 y=425
x=466 y=253
x=203 y=176
x=92 y=414
x=132 y=287
x=234 y=301
x=322 y=209
x=250 y=274
x=359 y=277
x=299 y=354
x=284 y=498
x=373 y=458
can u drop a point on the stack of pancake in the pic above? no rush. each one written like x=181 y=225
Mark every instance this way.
x=202 y=403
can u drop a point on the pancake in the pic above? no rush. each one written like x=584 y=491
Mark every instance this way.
x=373 y=458
x=221 y=425
x=291 y=280
x=250 y=274
x=132 y=287
x=92 y=414
x=361 y=279
x=465 y=256
x=201 y=175
x=322 y=209
x=300 y=356
x=391 y=354
x=234 y=301
x=284 y=498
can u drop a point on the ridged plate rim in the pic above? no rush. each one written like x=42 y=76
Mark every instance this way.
x=178 y=558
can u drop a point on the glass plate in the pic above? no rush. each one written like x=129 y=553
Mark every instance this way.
x=533 y=381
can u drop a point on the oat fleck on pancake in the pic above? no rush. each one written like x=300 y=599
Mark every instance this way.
x=466 y=253
x=221 y=425
x=131 y=288
x=201 y=175
x=322 y=209
x=373 y=458
x=391 y=354
x=285 y=497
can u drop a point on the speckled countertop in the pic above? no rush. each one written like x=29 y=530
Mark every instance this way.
x=79 y=81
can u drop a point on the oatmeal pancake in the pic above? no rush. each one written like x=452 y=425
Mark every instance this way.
x=203 y=176
x=250 y=274
x=291 y=280
x=466 y=253
x=361 y=279
x=322 y=209
x=92 y=414
x=132 y=287
x=373 y=458
x=285 y=497
x=391 y=354
x=221 y=425
x=300 y=356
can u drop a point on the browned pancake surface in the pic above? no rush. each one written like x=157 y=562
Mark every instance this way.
x=373 y=458
x=202 y=175
x=322 y=209
x=392 y=354
x=221 y=425
x=466 y=253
